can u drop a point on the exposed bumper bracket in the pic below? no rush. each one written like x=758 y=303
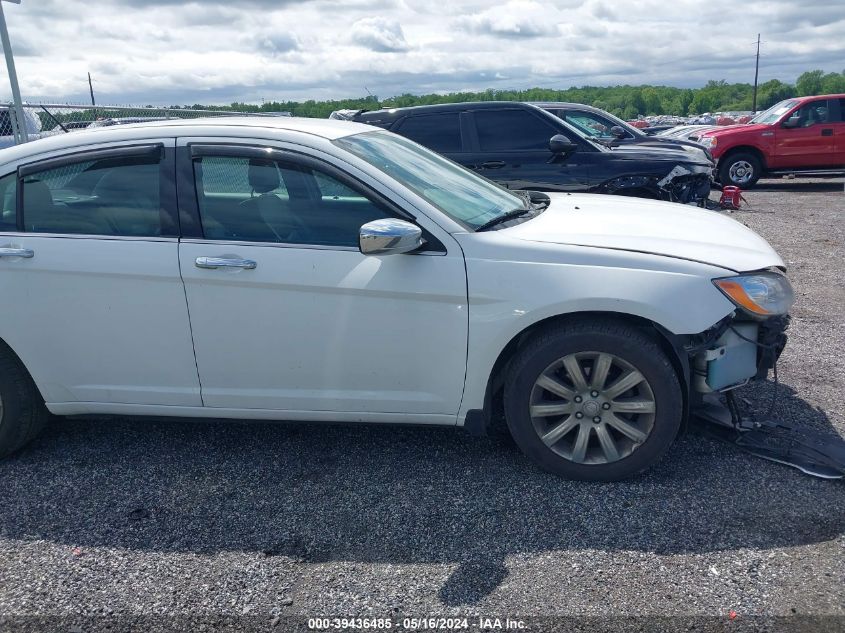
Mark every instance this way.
x=814 y=453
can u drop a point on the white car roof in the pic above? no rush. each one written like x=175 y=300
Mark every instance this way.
x=235 y=126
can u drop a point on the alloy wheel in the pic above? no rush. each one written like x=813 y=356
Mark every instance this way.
x=741 y=172
x=592 y=407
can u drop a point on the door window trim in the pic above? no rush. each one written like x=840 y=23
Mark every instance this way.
x=189 y=196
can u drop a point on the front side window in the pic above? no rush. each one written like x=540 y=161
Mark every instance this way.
x=589 y=124
x=457 y=192
x=810 y=114
x=505 y=130
x=114 y=196
x=265 y=200
x=440 y=132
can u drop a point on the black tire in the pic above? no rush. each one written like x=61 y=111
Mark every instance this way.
x=732 y=160
x=23 y=414
x=629 y=344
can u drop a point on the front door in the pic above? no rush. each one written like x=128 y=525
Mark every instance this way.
x=512 y=148
x=806 y=137
x=288 y=315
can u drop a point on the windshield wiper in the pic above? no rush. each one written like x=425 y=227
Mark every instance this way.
x=510 y=215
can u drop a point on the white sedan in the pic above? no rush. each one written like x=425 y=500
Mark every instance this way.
x=313 y=270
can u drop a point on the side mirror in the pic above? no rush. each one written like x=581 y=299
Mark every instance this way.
x=389 y=236
x=791 y=122
x=618 y=132
x=560 y=145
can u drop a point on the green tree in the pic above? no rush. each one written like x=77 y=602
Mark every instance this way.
x=809 y=83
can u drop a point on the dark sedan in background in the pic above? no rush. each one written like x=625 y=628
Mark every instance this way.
x=607 y=127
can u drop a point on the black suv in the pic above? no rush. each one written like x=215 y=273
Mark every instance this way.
x=523 y=146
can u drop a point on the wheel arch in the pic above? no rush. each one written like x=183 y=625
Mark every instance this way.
x=5 y=348
x=750 y=149
x=490 y=420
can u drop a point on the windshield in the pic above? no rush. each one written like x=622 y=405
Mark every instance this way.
x=773 y=114
x=469 y=199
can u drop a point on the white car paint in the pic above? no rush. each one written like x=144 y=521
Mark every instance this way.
x=330 y=334
x=647 y=226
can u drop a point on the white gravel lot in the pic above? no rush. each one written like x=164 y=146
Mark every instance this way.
x=258 y=526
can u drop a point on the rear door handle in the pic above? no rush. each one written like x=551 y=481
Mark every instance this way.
x=225 y=262
x=27 y=253
x=493 y=164
x=827 y=132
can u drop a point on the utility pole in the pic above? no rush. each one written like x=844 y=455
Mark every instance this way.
x=91 y=89
x=20 y=133
x=756 y=74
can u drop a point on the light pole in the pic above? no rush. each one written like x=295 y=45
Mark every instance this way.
x=20 y=132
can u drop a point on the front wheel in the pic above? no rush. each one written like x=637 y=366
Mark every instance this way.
x=593 y=400
x=740 y=170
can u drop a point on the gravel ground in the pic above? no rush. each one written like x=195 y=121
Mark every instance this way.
x=133 y=518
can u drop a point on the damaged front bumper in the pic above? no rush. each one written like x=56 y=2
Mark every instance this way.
x=687 y=184
x=734 y=352
x=729 y=355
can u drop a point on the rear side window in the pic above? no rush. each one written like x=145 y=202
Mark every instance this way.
x=8 y=191
x=841 y=110
x=504 y=130
x=115 y=196
x=440 y=132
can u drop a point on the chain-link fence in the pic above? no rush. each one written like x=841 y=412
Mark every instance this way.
x=48 y=119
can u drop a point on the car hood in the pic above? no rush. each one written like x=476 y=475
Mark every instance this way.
x=741 y=127
x=648 y=226
x=659 y=152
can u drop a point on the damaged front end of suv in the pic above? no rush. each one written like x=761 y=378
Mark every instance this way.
x=655 y=177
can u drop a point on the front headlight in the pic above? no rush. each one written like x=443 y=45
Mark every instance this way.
x=760 y=294
x=708 y=141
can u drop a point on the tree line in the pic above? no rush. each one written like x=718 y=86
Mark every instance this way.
x=625 y=101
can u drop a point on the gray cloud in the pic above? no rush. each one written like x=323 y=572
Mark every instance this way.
x=516 y=19
x=218 y=51
x=277 y=43
x=379 y=34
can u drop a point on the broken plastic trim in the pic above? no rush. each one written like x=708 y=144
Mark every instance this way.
x=811 y=452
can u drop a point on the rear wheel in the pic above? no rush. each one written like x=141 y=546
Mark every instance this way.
x=22 y=411
x=596 y=401
x=741 y=170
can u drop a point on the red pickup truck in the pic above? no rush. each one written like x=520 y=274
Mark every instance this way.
x=805 y=136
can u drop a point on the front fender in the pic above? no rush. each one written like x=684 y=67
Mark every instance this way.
x=507 y=297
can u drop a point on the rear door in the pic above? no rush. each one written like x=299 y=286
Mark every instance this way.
x=805 y=138
x=295 y=319
x=90 y=271
x=511 y=146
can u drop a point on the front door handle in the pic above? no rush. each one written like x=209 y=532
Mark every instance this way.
x=493 y=164
x=827 y=132
x=225 y=262
x=27 y=253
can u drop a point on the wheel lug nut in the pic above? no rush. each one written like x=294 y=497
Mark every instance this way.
x=578 y=398
x=605 y=406
x=597 y=419
x=595 y=394
x=579 y=415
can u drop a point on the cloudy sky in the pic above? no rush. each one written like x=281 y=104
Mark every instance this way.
x=218 y=51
